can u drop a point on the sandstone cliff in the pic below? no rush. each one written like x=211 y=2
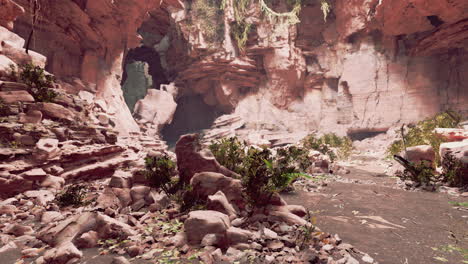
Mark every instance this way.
x=369 y=66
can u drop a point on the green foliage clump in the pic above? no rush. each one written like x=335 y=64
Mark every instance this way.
x=209 y=14
x=4 y=109
x=73 y=196
x=453 y=171
x=37 y=79
x=421 y=172
x=229 y=152
x=263 y=174
x=241 y=28
x=325 y=143
x=159 y=171
x=423 y=133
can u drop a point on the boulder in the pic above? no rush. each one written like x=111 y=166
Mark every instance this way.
x=201 y=223
x=452 y=134
x=459 y=150
x=33 y=117
x=55 y=111
x=161 y=115
x=65 y=253
x=191 y=159
x=13 y=97
x=51 y=216
x=121 y=179
x=34 y=174
x=219 y=202
x=19 y=230
x=46 y=148
x=419 y=153
x=209 y=183
x=236 y=236
x=53 y=182
x=139 y=192
x=87 y=240
x=108 y=227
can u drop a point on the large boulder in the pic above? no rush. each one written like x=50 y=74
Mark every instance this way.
x=459 y=150
x=191 y=159
x=452 y=134
x=46 y=148
x=209 y=183
x=201 y=223
x=219 y=202
x=419 y=153
x=161 y=115
x=65 y=253
x=12 y=97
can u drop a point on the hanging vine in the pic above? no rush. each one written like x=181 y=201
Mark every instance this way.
x=35 y=7
x=291 y=17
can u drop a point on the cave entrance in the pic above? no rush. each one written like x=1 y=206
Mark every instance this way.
x=191 y=116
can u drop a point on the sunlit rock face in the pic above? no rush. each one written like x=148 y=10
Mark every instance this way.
x=88 y=39
x=370 y=66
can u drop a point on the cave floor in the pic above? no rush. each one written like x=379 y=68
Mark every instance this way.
x=390 y=224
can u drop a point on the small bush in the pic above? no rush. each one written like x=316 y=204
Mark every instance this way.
x=209 y=14
x=229 y=152
x=421 y=172
x=160 y=172
x=262 y=174
x=73 y=196
x=453 y=171
x=37 y=79
x=325 y=143
x=423 y=133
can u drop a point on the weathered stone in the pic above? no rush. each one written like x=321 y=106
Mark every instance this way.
x=209 y=183
x=108 y=227
x=121 y=179
x=53 y=182
x=191 y=159
x=87 y=240
x=33 y=117
x=8 y=209
x=139 y=192
x=55 y=111
x=12 y=97
x=218 y=202
x=46 y=148
x=19 y=230
x=419 y=153
x=236 y=235
x=62 y=254
x=201 y=223
x=120 y=260
x=51 y=216
x=34 y=175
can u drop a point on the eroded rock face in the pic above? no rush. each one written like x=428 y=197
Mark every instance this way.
x=93 y=51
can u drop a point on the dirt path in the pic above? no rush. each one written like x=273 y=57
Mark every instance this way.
x=392 y=225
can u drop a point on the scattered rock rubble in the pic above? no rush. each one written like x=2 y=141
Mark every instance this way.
x=60 y=144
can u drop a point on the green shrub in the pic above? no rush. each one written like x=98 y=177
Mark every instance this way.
x=160 y=171
x=209 y=15
x=73 y=196
x=4 y=109
x=229 y=152
x=325 y=143
x=422 y=172
x=38 y=81
x=453 y=171
x=423 y=133
x=262 y=174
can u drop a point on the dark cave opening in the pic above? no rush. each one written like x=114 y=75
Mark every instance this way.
x=435 y=21
x=363 y=134
x=192 y=116
x=150 y=56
